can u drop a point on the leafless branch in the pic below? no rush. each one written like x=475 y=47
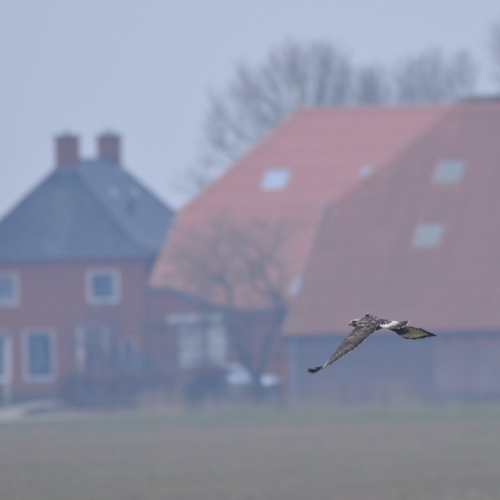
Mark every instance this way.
x=260 y=97
x=295 y=74
x=240 y=266
x=430 y=77
x=495 y=49
x=373 y=85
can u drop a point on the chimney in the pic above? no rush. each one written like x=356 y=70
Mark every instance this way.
x=108 y=147
x=67 y=150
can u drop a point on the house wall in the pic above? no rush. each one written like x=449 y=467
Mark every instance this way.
x=162 y=337
x=53 y=297
x=384 y=368
x=467 y=365
x=161 y=341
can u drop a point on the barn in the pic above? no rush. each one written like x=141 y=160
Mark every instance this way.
x=315 y=158
x=418 y=242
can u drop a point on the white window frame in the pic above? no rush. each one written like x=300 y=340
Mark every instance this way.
x=14 y=301
x=102 y=301
x=209 y=336
x=45 y=378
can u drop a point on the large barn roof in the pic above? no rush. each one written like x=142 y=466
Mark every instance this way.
x=314 y=158
x=419 y=242
x=92 y=209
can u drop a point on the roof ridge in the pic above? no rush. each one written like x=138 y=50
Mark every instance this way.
x=23 y=198
x=385 y=169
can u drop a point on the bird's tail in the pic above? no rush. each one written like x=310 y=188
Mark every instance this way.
x=410 y=332
x=314 y=370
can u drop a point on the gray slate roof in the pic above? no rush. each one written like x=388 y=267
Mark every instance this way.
x=95 y=210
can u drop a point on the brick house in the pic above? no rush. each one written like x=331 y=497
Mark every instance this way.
x=75 y=257
x=317 y=157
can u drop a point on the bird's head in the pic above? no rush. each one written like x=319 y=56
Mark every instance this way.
x=353 y=323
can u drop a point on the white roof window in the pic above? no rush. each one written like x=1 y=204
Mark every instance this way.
x=295 y=285
x=427 y=235
x=365 y=170
x=448 y=172
x=275 y=179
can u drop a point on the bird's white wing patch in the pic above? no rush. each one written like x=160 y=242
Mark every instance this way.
x=393 y=324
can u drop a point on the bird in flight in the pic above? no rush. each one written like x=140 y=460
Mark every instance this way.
x=367 y=325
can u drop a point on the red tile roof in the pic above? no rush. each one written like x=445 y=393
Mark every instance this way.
x=364 y=259
x=324 y=149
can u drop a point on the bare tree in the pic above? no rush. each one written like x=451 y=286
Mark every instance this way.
x=314 y=74
x=372 y=85
x=240 y=268
x=430 y=77
x=260 y=97
x=495 y=49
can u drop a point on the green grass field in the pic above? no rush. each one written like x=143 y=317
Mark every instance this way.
x=392 y=453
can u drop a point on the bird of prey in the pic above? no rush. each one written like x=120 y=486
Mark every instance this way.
x=364 y=327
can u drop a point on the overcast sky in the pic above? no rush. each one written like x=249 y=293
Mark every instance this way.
x=143 y=68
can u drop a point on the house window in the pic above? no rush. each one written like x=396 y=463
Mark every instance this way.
x=4 y=357
x=103 y=287
x=216 y=341
x=275 y=179
x=130 y=354
x=201 y=340
x=448 y=172
x=9 y=290
x=93 y=351
x=427 y=235
x=39 y=356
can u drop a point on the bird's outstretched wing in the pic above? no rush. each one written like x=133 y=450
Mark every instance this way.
x=362 y=331
x=411 y=332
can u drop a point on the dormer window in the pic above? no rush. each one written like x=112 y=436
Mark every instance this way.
x=448 y=172
x=275 y=179
x=427 y=235
x=295 y=285
x=365 y=170
x=9 y=290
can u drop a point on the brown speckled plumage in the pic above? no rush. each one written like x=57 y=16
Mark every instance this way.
x=367 y=325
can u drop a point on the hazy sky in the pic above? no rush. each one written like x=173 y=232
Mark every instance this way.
x=143 y=67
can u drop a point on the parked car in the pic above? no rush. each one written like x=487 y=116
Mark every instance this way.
x=239 y=376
